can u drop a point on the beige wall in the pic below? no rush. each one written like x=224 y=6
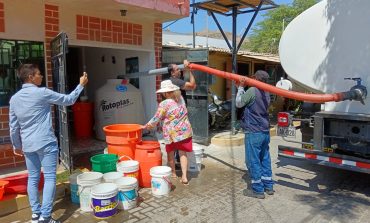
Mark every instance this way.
x=218 y=62
x=24 y=20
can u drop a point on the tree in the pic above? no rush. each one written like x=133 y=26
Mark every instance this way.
x=266 y=35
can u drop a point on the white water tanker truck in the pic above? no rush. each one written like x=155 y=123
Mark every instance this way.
x=327 y=49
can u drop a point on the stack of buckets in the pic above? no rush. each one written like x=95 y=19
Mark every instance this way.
x=125 y=140
x=195 y=158
x=116 y=176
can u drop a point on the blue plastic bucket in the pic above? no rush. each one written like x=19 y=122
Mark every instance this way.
x=104 y=200
x=74 y=188
x=127 y=195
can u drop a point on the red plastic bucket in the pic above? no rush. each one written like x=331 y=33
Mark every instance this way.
x=83 y=119
x=3 y=183
x=18 y=183
x=122 y=138
x=120 y=133
x=149 y=155
x=125 y=149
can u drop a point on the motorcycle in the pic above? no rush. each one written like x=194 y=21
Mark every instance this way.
x=219 y=112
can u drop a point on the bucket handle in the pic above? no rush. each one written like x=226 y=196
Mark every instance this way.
x=123 y=156
x=82 y=189
x=168 y=181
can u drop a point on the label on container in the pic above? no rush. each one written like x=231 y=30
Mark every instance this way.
x=121 y=88
x=104 y=208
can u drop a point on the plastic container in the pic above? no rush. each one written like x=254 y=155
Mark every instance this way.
x=126 y=149
x=3 y=184
x=119 y=133
x=161 y=183
x=85 y=182
x=149 y=155
x=122 y=138
x=104 y=163
x=117 y=101
x=195 y=159
x=129 y=168
x=18 y=183
x=74 y=188
x=127 y=192
x=110 y=177
x=83 y=119
x=104 y=200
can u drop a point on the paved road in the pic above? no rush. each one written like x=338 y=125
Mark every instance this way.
x=304 y=193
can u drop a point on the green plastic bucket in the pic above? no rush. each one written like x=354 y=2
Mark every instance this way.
x=104 y=163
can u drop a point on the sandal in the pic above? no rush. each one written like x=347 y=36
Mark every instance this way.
x=186 y=183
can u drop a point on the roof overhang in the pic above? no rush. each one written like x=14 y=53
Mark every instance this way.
x=144 y=10
x=243 y=6
x=247 y=54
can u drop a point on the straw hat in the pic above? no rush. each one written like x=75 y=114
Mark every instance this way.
x=167 y=86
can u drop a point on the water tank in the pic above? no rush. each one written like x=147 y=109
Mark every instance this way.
x=117 y=102
x=325 y=44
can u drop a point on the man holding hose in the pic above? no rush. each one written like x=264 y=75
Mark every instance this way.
x=256 y=125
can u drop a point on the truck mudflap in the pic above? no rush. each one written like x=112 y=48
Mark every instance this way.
x=327 y=159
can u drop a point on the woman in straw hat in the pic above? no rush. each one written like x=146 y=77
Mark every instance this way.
x=177 y=131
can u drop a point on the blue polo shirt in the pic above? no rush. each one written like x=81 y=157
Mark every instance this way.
x=30 y=119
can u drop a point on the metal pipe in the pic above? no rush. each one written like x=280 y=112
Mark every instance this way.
x=153 y=72
x=234 y=69
x=249 y=25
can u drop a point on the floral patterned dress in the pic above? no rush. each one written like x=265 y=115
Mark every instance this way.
x=175 y=121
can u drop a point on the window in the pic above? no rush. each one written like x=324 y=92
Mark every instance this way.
x=12 y=54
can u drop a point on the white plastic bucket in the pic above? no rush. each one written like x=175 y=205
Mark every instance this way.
x=104 y=200
x=161 y=183
x=110 y=177
x=85 y=181
x=198 y=153
x=127 y=192
x=195 y=159
x=74 y=188
x=129 y=168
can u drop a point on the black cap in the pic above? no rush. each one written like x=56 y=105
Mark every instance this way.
x=261 y=75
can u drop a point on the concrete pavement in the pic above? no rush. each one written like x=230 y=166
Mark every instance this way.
x=304 y=193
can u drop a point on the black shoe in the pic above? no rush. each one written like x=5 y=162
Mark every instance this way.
x=269 y=191
x=49 y=220
x=250 y=193
x=35 y=218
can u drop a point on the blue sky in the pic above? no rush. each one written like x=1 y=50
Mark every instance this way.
x=184 y=25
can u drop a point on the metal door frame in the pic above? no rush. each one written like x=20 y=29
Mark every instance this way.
x=58 y=65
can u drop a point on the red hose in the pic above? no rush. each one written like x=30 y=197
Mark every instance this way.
x=315 y=98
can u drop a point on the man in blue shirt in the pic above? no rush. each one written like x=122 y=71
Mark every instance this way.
x=256 y=125
x=32 y=135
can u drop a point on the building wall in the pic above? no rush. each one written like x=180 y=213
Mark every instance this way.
x=35 y=20
x=218 y=61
